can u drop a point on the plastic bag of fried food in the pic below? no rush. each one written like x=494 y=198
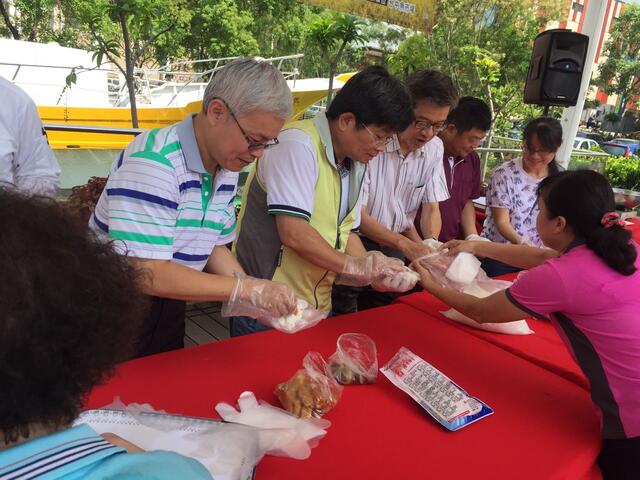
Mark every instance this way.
x=312 y=391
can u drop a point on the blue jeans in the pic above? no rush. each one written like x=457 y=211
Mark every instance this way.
x=244 y=326
x=494 y=268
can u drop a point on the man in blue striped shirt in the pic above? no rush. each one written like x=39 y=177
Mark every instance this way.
x=168 y=203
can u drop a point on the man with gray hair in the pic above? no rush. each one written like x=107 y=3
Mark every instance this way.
x=168 y=203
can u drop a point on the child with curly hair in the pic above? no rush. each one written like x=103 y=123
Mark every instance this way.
x=69 y=309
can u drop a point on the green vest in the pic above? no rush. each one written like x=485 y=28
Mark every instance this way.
x=310 y=282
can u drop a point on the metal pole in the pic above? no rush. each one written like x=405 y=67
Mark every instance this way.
x=594 y=23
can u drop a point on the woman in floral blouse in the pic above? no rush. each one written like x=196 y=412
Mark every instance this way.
x=511 y=196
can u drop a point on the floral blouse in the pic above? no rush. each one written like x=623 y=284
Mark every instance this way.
x=514 y=189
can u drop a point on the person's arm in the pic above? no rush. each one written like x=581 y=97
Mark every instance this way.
x=118 y=441
x=468 y=219
x=37 y=170
x=373 y=230
x=222 y=262
x=166 y=279
x=355 y=248
x=521 y=256
x=495 y=308
x=503 y=225
x=298 y=235
x=430 y=220
x=412 y=234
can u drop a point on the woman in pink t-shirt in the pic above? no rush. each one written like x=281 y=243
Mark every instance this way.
x=587 y=282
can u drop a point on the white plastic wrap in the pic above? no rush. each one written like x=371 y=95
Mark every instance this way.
x=401 y=281
x=305 y=316
x=440 y=265
x=463 y=269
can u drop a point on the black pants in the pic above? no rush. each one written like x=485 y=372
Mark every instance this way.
x=620 y=459
x=163 y=328
x=494 y=268
x=354 y=299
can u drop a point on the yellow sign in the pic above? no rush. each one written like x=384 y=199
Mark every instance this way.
x=415 y=14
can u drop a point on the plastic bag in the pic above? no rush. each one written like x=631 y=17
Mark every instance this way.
x=355 y=360
x=312 y=391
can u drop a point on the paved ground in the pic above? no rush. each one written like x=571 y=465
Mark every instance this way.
x=204 y=324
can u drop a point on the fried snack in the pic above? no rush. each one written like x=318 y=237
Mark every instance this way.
x=305 y=396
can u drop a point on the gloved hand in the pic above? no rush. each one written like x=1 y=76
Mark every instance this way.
x=400 y=282
x=477 y=238
x=362 y=271
x=257 y=298
x=282 y=434
x=432 y=243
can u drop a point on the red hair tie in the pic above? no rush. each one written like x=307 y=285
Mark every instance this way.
x=610 y=219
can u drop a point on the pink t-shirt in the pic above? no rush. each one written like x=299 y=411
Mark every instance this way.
x=596 y=311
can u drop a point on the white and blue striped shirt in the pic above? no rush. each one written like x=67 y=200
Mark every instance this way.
x=160 y=203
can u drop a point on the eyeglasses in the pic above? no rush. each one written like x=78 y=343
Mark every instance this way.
x=540 y=152
x=377 y=141
x=426 y=124
x=251 y=144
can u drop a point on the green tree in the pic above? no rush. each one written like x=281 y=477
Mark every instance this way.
x=332 y=34
x=218 y=29
x=36 y=21
x=129 y=28
x=483 y=45
x=620 y=73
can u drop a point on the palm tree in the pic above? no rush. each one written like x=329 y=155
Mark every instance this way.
x=332 y=35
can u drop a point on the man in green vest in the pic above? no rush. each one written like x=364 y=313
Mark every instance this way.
x=301 y=203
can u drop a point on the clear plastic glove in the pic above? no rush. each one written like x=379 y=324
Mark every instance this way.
x=282 y=433
x=362 y=271
x=400 y=282
x=412 y=249
x=476 y=238
x=432 y=243
x=257 y=298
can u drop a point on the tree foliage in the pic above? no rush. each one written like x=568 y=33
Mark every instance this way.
x=484 y=46
x=38 y=21
x=332 y=35
x=132 y=29
x=620 y=73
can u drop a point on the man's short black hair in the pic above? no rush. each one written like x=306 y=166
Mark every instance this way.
x=374 y=97
x=434 y=87
x=471 y=112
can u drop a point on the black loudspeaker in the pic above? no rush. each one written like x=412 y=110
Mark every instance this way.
x=556 y=67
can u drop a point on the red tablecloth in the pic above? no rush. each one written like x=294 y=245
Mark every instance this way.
x=635 y=228
x=544 y=347
x=544 y=426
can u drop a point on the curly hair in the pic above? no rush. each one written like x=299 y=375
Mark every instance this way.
x=69 y=310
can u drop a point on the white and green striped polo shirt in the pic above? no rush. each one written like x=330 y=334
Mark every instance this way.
x=160 y=203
